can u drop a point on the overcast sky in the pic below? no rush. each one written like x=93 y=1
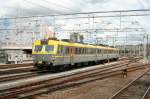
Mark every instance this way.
x=32 y=7
x=12 y=8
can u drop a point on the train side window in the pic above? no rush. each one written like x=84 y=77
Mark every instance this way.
x=106 y=51
x=94 y=51
x=99 y=51
x=103 y=51
x=80 y=50
x=84 y=50
x=88 y=51
x=76 y=50
x=91 y=51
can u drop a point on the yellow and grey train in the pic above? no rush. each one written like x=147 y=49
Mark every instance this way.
x=49 y=54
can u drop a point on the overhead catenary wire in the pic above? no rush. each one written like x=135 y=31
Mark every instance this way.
x=96 y=16
x=59 y=5
x=39 y=5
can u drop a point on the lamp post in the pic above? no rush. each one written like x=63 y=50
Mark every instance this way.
x=145 y=39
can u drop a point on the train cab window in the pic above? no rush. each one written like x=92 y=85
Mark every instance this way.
x=38 y=48
x=49 y=48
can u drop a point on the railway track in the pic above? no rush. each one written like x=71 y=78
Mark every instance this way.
x=22 y=68
x=8 y=74
x=16 y=76
x=146 y=94
x=15 y=68
x=52 y=82
x=11 y=77
x=21 y=75
x=136 y=89
x=8 y=66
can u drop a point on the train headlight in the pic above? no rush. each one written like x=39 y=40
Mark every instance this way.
x=40 y=62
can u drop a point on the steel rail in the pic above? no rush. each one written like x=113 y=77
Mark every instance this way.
x=104 y=67
x=74 y=81
x=129 y=84
x=146 y=93
x=86 y=75
x=17 y=76
x=16 y=70
x=6 y=66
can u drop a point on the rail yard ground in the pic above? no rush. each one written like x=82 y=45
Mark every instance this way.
x=98 y=89
x=95 y=82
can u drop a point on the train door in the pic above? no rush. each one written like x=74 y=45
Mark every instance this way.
x=61 y=53
x=96 y=54
x=71 y=52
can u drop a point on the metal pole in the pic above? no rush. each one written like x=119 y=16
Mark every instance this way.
x=54 y=27
x=145 y=47
x=139 y=51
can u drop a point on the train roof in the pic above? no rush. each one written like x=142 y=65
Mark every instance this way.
x=39 y=42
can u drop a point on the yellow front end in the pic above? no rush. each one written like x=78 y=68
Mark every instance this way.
x=44 y=52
